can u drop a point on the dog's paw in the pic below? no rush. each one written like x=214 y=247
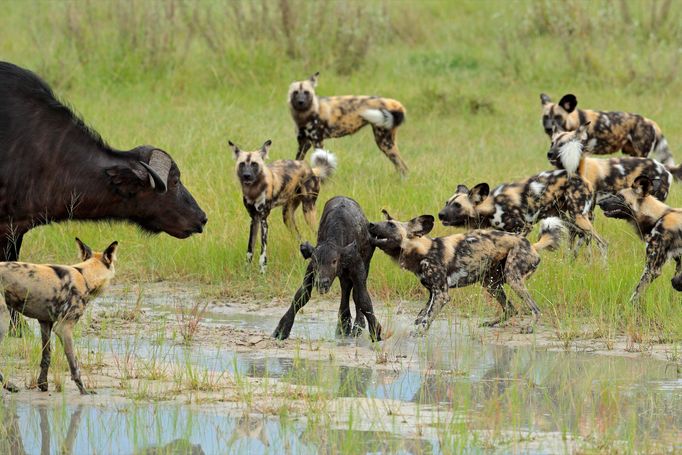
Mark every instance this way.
x=10 y=387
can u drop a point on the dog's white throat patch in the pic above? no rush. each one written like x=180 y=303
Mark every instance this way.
x=570 y=155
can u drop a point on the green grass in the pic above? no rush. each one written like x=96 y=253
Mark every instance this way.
x=188 y=76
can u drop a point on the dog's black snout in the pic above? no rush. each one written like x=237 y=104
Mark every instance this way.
x=441 y=216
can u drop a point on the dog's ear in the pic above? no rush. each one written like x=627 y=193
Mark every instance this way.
x=84 y=250
x=265 y=148
x=642 y=186
x=313 y=79
x=307 y=250
x=568 y=102
x=479 y=193
x=545 y=99
x=462 y=189
x=109 y=255
x=235 y=149
x=386 y=215
x=420 y=226
x=581 y=132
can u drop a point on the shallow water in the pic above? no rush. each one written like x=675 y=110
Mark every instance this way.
x=530 y=400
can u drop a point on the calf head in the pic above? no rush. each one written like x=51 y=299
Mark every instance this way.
x=302 y=94
x=328 y=259
x=391 y=235
x=567 y=147
x=462 y=208
x=250 y=165
x=563 y=113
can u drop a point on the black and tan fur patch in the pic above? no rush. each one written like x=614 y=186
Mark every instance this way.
x=319 y=118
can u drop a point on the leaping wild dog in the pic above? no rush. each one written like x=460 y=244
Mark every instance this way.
x=659 y=225
x=604 y=176
x=489 y=257
x=57 y=296
x=318 y=118
x=609 y=132
x=285 y=183
x=515 y=207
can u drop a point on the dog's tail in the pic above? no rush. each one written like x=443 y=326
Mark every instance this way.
x=384 y=118
x=552 y=232
x=323 y=163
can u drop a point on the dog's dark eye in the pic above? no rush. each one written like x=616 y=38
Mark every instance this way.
x=457 y=205
x=295 y=92
x=558 y=118
x=306 y=92
x=241 y=165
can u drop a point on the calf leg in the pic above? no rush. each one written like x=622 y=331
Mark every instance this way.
x=64 y=331
x=343 y=327
x=45 y=333
x=301 y=297
x=263 y=260
x=385 y=139
x=364 y=302
x=4 y=328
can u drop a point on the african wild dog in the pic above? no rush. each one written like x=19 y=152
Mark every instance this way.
x=609 y=132
x=285 y=183
x=516 y=207
x=318 y=118
x=344 y=249
x=57 y=296
x=605 y=176
x=489 y=257
x=659 y=225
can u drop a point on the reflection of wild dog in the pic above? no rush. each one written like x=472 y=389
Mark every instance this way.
x=489 y=257
x=55 y=295
x=285 y=183
x=657 y=224
x=516 y=207
x=609 y=132
x=318 y=118
x=605 y=176
x=344 y=249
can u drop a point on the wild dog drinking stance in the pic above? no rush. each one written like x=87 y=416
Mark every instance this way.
x=605 y=176
x=57 y=296
x=344 y=249
x=489 y=257
x=318 y=118
x=285 y=183
x=609 y=132
x=659 y=225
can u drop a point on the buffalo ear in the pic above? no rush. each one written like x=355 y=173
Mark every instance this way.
x=235 y=149
x=479 y=193
x=568 y=102
x=462 y=189
x=265 y=148
x=84 y=250
x=420 y=226
x=642 y=186
x=128 y=180
x=109 y=255
x=313 y=79
x=545 y=99
x=306 y=250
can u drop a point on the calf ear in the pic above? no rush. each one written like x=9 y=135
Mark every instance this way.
x=313 y=78
x=84 y=250
x=265 y=148
x=479 y=193
x=386 y=215
x=235 y=149
x=642 y=186
x=568 y=102
x=420 y=226
x=545 y=99
x=306 y=250
x=462 y=189
x=109 y=255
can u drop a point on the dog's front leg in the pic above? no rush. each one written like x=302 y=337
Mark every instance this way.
x=4 y=328
x=655 y=258
x=45 y=333
x=304 y=144
x=253 y=233
x=263 y=260
x=64 y=331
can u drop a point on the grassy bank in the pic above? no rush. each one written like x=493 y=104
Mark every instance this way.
x=187 y=76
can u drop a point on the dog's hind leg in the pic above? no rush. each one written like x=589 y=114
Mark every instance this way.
x=4 y=328
x=45 y=334
x=64 y=331
x=522 y=263
x=301 y=297
x=310 y=213
x=652 y=269
x=289 y=218
x=385 y=139
x=496 y=290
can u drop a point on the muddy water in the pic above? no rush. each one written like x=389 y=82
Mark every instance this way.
x=451 y=394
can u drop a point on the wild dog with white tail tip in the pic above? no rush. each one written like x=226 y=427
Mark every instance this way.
x=489 y=257
x=659 y=225
x=318 y=118
x=57 y=296
x=286 y=183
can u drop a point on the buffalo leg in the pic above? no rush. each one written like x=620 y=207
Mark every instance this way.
x=65 y=333
x=343 y=327
x=301 y=297
x=45 y=333
x=9 y=251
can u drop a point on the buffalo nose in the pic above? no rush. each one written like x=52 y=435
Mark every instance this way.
x=204 y=220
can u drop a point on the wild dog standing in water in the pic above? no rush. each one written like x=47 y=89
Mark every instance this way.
x=659 y=225
x=604 y=176
x=55 y=295
x=344 y=249
x=609 y=132
x=516 y=207
x=489 y=257
x=318 y=118
x=285 y=183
